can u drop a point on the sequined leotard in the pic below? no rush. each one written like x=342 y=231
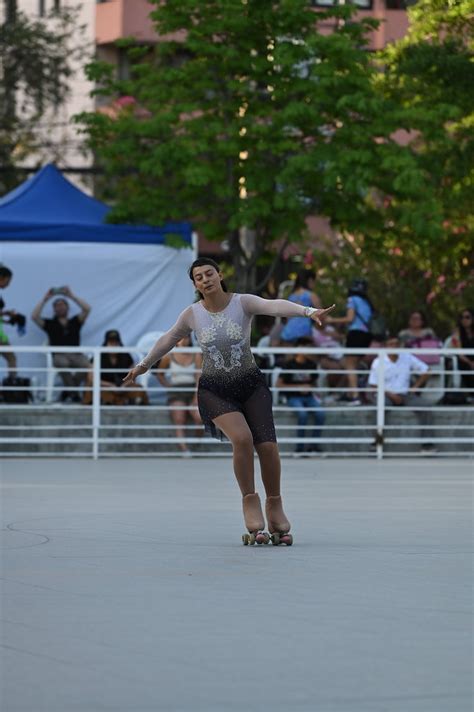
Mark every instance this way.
x=230 y=380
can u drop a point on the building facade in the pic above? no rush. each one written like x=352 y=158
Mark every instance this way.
x=100 y=24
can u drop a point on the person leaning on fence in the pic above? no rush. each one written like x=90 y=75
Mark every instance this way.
x=359 y=312
x=65 y=331
x=113 y=369
x=181 y=371
x=296 y=381
x=398 y=389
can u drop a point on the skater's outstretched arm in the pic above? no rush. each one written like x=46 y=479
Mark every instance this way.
x=161 y=347
x=281 y=307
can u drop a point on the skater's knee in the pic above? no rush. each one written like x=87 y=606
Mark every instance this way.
x=242 y=439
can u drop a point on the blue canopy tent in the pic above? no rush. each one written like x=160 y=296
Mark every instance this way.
x=47 y=207
x=52 y=234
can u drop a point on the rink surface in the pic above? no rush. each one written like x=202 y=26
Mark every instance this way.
x=126 y=589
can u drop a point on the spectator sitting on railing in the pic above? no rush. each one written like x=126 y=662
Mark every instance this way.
x=359 y=312
x=65 y=331
x=181 y=371
x=298 y=327
x=463 y=338
x=298 y=379
x=417 y=335
x=113 y=369
x=398 y=370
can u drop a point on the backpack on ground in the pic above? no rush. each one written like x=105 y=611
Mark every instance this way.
x=22 y=392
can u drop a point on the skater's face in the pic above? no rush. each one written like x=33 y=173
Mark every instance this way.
x=207 y=279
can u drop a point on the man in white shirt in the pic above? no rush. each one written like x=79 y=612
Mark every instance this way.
x=398 y=369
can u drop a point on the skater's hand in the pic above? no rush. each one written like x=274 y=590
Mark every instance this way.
x=319 y=314
x=134 y=372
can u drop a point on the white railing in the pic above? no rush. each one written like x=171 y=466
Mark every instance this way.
x=46 y=427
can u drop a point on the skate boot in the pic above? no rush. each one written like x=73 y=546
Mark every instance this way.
x=254 y=521
x=278 y=524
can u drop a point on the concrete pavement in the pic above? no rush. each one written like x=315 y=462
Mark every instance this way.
x=126 y=589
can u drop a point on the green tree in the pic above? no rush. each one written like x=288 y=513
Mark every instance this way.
x=248 y=117
x=37 y=59
x=430 y=73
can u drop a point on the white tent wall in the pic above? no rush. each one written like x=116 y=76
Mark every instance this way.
x=132 y=288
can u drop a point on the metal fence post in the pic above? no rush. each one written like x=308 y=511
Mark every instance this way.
x=380 y=405
x=95 y=403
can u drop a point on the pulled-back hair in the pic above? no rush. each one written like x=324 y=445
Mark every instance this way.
x=462 y=329
x=302 y=279
x=5 y=272
x=201 y=262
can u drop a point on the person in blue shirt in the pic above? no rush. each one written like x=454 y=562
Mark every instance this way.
x=299 y=327
x=359 y=311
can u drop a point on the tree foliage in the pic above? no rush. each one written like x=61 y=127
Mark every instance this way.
x=251 y=116
x=36 y=64
x=430 y=74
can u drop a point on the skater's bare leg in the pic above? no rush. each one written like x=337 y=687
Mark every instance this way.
x=270 y=467
x=235 y=427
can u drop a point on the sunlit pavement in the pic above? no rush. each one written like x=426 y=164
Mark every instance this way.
x=126 y=588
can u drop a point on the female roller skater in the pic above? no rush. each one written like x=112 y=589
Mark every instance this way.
x=233 y=397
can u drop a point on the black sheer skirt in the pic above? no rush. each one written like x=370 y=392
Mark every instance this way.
x=247 y=393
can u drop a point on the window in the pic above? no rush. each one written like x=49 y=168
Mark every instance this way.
x=57 y=5
x=362 y=4
x=41 y=8
x=398 y=4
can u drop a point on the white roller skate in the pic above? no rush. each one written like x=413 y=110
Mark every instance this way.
x=254 y=521
x=278 y=524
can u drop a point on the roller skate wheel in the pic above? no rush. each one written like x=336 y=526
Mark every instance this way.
x=275 y=539
x=248 y=539
x=286 y=539
x=262 y=538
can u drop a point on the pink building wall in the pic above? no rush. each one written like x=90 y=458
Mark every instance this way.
x=123 y=18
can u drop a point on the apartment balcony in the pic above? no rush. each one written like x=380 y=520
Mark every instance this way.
x=116 y=19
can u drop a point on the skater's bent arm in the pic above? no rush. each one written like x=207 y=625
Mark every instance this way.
x=278 y=307
x=169 y=340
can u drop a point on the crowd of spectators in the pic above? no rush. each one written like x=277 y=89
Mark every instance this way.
x=349 y=377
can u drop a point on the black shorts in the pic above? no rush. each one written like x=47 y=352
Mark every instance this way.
x=247 y=394
x=357 y=339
